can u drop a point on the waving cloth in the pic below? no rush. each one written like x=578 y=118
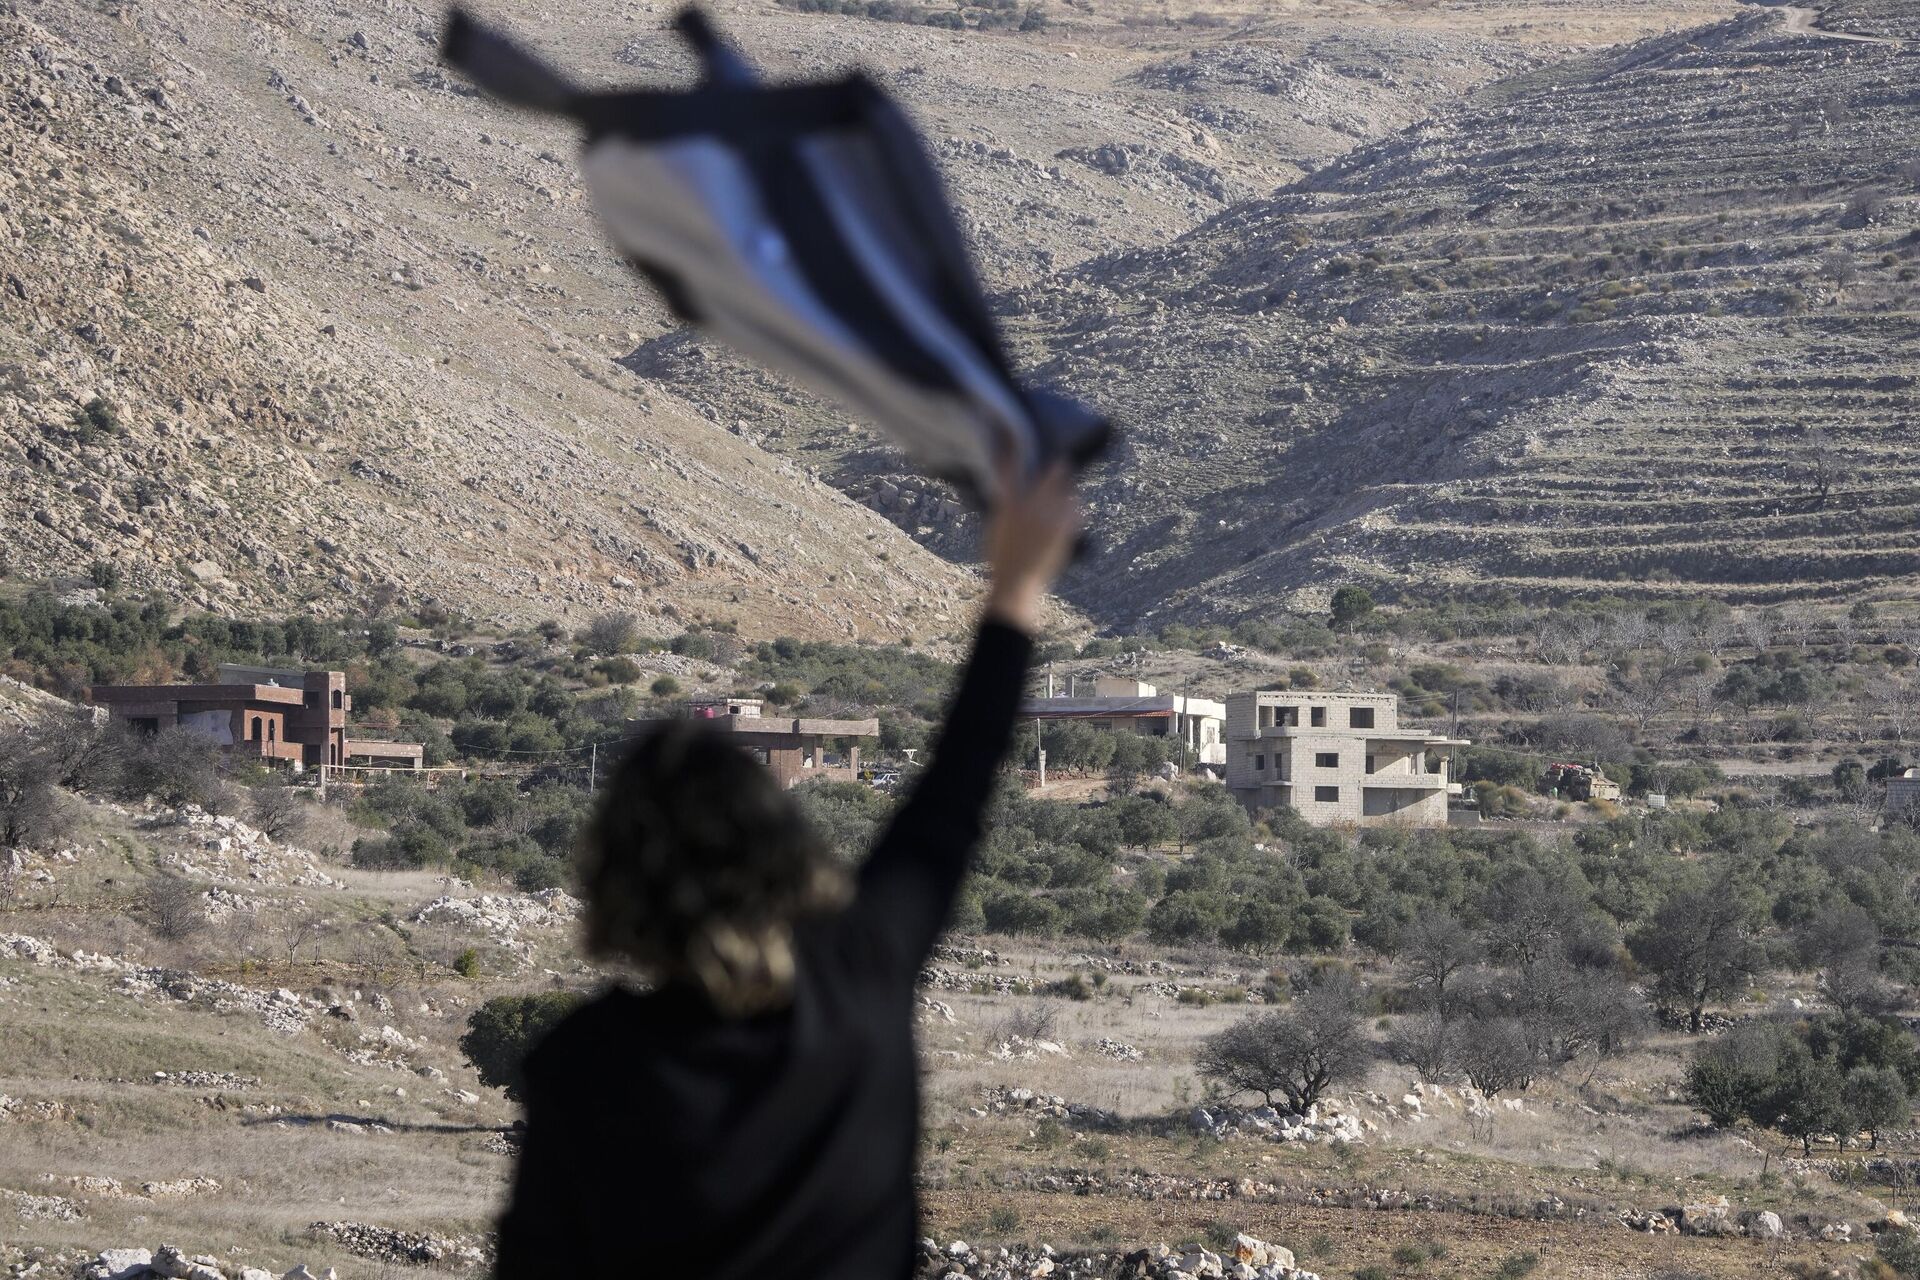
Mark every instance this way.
x=804 y=226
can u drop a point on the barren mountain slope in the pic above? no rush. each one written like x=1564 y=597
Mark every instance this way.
x=343 y=323
x=1641 y=320
x=346 y=323
x=1100 y=138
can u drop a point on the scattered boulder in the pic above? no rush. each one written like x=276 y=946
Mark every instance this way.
x=1708 y=1217
x=120 y=1264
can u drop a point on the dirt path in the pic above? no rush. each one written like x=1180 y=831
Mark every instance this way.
x=1802 y=21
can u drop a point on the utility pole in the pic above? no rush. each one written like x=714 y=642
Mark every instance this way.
x=593 y=769
x=1040 y=753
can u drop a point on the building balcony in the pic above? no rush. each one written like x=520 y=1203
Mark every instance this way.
x=1406 y=781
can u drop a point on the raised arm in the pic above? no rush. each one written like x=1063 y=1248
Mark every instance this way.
x=908 y=884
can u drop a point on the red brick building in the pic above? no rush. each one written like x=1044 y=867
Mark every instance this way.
x=276 y=715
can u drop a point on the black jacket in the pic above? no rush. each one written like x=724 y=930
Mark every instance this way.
x=663 y=1137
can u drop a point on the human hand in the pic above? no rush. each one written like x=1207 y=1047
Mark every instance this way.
x=1030 y=537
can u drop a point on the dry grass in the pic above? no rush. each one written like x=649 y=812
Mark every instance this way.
x=1599 y=1140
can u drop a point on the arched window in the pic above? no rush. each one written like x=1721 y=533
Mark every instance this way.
x=256 y=729
x=273 y=730
x=336 y=699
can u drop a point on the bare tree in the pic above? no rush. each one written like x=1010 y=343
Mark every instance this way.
x=1896 y=702
x=176 y=765
x=1626 y=632
x=1759 y=627
x=1494 y=1055
x=1531 y=916
x=1699 y=693
x=30 y=812
x=1556 y=643
x=1716 y=635
x=1424 y=1042
x=300 y=930
x=1838 y=266
x=1434 y=947
x=1797 y=621
x=172 y=907
x=1846 y=628
x=375 y=601
x=1674 y=641
x=277 y=812
x=1568 y=1010
x=1843 y=943
x=83 y=753
x=1645 y=690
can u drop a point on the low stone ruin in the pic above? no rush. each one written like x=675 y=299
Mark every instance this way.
x=384 y=1244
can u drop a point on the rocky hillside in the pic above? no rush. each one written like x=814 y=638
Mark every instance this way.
x=1638 y=321
x=286 y=312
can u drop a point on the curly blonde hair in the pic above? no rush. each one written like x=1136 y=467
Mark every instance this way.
x=696 y=866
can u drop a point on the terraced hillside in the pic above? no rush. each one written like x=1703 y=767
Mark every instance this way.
x=1640 y=321
x=287 y=313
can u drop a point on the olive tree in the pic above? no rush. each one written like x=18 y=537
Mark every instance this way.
x=1729 y=1077
x=1875 y=1098
x=503 y=1031
x=1297 y=1053
x=1699 y=946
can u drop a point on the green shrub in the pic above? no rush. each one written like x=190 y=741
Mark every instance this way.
x=503 y=1031
x=1516 y=1265
x=620 y=670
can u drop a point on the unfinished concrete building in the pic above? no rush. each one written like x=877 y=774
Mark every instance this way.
x=1133 y=706
x=1903 y=793
x=277 y=715
x=1337 y=758
x=794 y=748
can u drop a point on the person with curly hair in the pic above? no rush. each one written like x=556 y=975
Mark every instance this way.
x=755 y=1111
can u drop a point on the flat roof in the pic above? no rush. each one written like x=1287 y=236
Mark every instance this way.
x=197 y=693
x=1314 y=695
x=790 y=726
x=1153 y=705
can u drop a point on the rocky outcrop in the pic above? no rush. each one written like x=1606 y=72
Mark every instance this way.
x=1246 y=1258
x=170 y=1263
x=501 y=915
